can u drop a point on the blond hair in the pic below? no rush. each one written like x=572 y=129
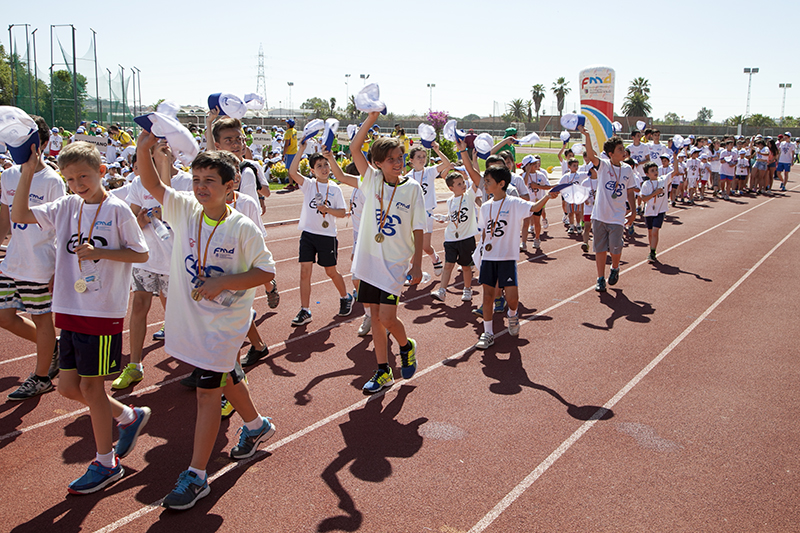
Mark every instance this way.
x=79 y=152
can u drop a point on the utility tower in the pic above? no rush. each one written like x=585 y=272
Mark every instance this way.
x=261 y=84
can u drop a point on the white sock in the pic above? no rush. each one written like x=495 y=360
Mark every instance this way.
x=200 y=473
x=255 y=424
x=126 y=417
x=106 y=459
x=368 y=311
x=512 y=312
x=307 y=310
x=487 y=327
x=139 y=367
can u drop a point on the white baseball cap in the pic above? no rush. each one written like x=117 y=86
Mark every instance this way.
x=369 y=99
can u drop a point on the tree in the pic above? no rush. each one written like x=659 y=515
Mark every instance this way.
x=636 y=104
x=704 y=115
x=537 y=95
x=471 y=116
x=790 y=122
x=516 y=109
x=672 y=118
x=64 y=98
x=351 y=111
x=560 y=90
x=734 y=120
x=333 y=105
x=317 y=106
x=639 y=86
x=761 y=121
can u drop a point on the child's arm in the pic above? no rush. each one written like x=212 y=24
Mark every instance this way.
x=358 y=141
x=254 y=277
x=212 y=116
x=326 y=210
x=87 y=252
x=293 y=172
x=504 y=142
x=561 y=153
x=445 y=164
x=416 y=260
x=20 y=211
x=147 y=172
x=338 y=173
x=589 y=155
x=538 y=206
x=473 y=174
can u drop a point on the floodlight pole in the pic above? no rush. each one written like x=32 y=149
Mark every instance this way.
x=290 y=84
x=36 y=75
x=347 y=90
x=784 y=86
x=13 y=64
x=75 y=80
x=110 y=97
x=96 y=77
x=749 y=71
x=124 y=90
x=133 y=82
x=430 y=88
x=139 y=80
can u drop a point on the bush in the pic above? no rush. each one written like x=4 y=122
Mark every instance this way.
x=280 y=171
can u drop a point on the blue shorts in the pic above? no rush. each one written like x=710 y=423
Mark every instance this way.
x=498 y=273
x=784 y=167
x=289 y=159
x=724 y=177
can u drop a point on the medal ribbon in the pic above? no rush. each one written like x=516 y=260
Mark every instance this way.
x=94 y=220
x=494 y=223
x=202 y=266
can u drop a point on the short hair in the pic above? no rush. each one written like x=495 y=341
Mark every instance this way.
x=506 y=155
x=499 y=173
x=629 y=162
x=401 y=131
x=649 y=165
x=225 y=123
x=313 y=158
x=380 y=148
x=451 y=177
x=569 y=151
x=414 y=151
x=649 y=131
x=79 y=152
x=572 y=160
x=634 y=133
x=217 y=160
x=113 y=127
x=494 y=159
x=44 y=130
x=611 y=144
x=655 y=130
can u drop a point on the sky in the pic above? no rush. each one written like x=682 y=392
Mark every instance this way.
x=479 y=55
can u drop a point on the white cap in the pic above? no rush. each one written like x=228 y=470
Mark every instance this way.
x=179 y=139
x=312 y=128
x=228 y=104
x=564 y=136
x=369 y=99
x=641 y=125
x=451 y=131
x=531 y=138
x=427 y=134
x=483 y=145
x=571 y=121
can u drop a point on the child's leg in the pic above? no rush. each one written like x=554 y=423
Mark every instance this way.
x=512 y=297
x=239 y=395
x=138 y=323
x=537 y=226
x=466 y=273
x=448 y=269
x=587 y=230
x=653 y=236
x=254 y=338
x=526 y=222
x=17 y=324
x=392 y=324
x=94 y=393
x=488 y=307
x=615 y=260
x=428 y=249
x=206 y=426
x=45 y=342
x=305 y=284
x=384 y=317
x=337 y=279
x=600 y=261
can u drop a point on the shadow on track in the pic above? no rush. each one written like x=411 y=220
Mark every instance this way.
x=622 y=307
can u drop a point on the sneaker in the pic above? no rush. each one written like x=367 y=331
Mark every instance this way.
x=52 y=372
x=565 y=220
x=273 y=296
x=159 y=335
x=303 y=317
x=478 y=311
x=631 y=231
x=365 y=327
x=187 y=491
x=613 y=277
x=439 y=294
x=130 y=375
x=484 y=341
x=523 y=246
x=672 y=203
x=31 y=387
x=499 y=304
x=249 y=440
x=783 y=187
x=601 y=285
x=191 y=380
x=545 y=224
x=466 y=295
x=408 y=360
x=585 y=247
x=570 y=230
x=96 y=478
x=652 y=257
x=379 y=381
x=253 y=356
x=130 y=432
x=513 y=326
x=227 y=408
x=537 y=244
x=437 y=268
x=345 y=306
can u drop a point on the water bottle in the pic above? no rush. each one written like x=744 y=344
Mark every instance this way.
x=90 y=275
x=224 y=298
x=440 y=217
x=158 y=226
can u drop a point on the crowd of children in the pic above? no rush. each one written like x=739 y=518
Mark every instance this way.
x=194 y=237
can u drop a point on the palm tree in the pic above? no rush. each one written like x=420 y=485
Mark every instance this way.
x=561 y=90
x=639 y=86
x=351 y=111
x=636 y=105
x=529 y=110
x=516 y=109
x=537 y=94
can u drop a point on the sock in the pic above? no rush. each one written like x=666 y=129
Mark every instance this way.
x=487 y=327
x=436 y=259
x=106 y=459
x=512 y=313
x=200 y=473
x=139 y=367
x=255 y=424
x=126 y=417
x=383 y=366
x=41 y=378
x=368 y=311
x=306 y=309
x=407 y=347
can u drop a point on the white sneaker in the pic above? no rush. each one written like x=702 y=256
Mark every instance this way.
x=484 y=341
x=466 y=296
x=366 y=325
x=513 y=326
x=439 y=294
x=523 y=246
x=545 y=224
x=565 y=220
x=537 y=243
x=438 y=267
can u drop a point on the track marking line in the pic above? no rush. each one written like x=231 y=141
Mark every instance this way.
x=512 y=496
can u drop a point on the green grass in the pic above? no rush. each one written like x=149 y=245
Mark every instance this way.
x=548 y=160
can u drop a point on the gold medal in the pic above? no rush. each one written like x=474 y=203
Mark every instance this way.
x=379 y=237
x=488 y=247
x=325 y=224
x=196 y=296
x=80 y=286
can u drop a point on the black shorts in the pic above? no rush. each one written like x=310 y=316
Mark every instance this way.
x=321 y=249
x=655 y=221
x=208 y=379
x=459 y=251
x=370 y=294
x=90 y=355
x=498 y=273
x=538 y=213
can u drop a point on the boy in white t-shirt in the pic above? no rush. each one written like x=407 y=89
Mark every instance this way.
x=742 y=171
x=574 y=212
x=693 y=168
x=54 y=142
x=537 y=182
x=727 y=158
x=26 y=272
x=97 y=239
x=218 y=259
x=501 y=222
x=654 y=194
x=323 y=202
x=614 y=186
x=786 y=153
x=426 y=177
x=390 y=236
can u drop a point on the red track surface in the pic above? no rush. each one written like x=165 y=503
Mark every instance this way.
x=694 y=361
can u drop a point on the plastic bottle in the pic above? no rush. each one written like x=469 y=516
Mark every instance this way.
x=161 y=230
x=224 y=298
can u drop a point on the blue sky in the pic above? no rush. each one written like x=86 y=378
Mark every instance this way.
x=480 y=55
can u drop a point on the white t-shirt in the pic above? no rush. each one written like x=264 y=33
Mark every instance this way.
x=247 y=185
x=713 y=161
x=115 y=228
x=787 y=150
x=693 y=171
x=590 y=184
x=311 y=219
x=356 y=207
x=426 y=179
x=612 y=180
x=539 y=178
x=504 y=235
x=463 y=217
x=742 y=166
x=519 y=184
x=31 y=253
x=121 y=192
x=725 y=168
x=384 y=264
x=206 y=334
x=160 y=251
x=656 y=151
x=249 y=208
x=55 y=143
x=639 y=154
x=182 y=181
x=660 y=202
x=763 y=154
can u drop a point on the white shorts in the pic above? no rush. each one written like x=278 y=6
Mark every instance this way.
x=146 y=281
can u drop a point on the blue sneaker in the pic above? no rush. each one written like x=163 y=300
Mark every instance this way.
x=499 y=304
x=130 y=432
x=409 y=360
x=613 y=276
x=601 y=285
x=187 y=491
x=159 y=335
x=96 y=478
x=249 y=440
x=379 y=381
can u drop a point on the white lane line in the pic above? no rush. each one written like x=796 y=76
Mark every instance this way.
x=512 y=496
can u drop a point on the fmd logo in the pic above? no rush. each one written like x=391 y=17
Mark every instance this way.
x=220 y=250
x=595 y=80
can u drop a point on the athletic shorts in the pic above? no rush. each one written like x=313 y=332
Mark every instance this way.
x=27 y=296
x=208 y=379
x=498 y=273
x=370 y=294
x=772 y=165
x=289 y=158
x=760 y=165
x=723 y=177
x=607 y=237
x=784 y=167
x=655 y=221
x=538 y=213
x=459 y=251
x=428 y=223
x=715 y=178
x=146 y=281
x=322 y=249
x=587 y=218
x=90 y=355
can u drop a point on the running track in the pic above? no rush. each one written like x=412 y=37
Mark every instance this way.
x=668 y=403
